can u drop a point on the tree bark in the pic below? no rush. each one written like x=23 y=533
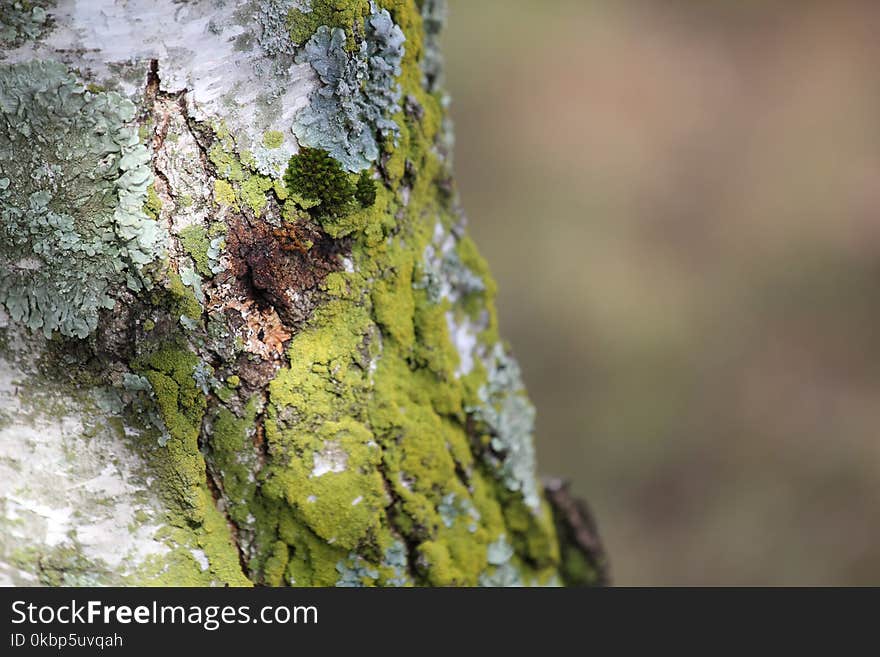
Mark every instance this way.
x=244 y=337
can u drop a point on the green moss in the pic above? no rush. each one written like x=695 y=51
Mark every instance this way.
x=312 y=174
x=365 y=192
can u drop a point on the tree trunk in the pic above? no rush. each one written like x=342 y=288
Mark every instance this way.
x=244 y=338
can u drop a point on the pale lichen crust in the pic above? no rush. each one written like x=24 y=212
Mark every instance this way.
x=73 y=180
x=23 y=20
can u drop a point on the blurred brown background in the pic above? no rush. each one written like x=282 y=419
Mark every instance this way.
x=681 y=203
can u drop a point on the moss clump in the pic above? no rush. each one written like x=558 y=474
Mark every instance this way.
x=365 y=191
x=314 y=175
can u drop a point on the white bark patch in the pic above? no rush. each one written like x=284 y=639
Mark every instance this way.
x=464 y=337
x=68 y=480
x=330 y=459
x=29 y=263
x=219 y=52
x=201 y=558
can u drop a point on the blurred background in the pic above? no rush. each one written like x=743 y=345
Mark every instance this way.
x=681 y=203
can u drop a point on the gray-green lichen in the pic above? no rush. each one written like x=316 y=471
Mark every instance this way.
x=73 y=181
x=444 y=275
x=22 y=21
x=355 y=572
x=272 y=35
x=396 y=559
x=434 y=14
x=510 y=418
x=503 y=573
x=451 y=508
x=359 y=91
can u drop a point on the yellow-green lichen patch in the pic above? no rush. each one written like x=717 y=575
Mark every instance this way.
x=253 y=192
x=224 y=194
x=153 y=204
x=182 y=300
x=233 y=455
x=333 y=483
x=195 y=523
x=273 y=139
x=194 y=240
x=222 y=156
x=238 y=185
x=312 y=561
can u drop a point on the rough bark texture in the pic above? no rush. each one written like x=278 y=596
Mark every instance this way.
x=244 y=338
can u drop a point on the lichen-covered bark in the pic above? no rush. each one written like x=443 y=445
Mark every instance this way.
x=244 y=337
